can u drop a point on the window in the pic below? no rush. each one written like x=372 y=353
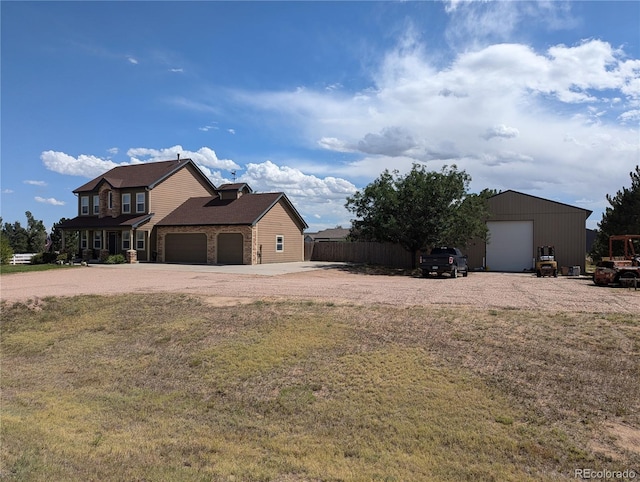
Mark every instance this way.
x=96 y=204
x=97 y=240
x=126 y=203
x=140 y=202
x=140 y=240
x=279 y=243
x=83 y=240
x=126 y=240
x=110 y=200
x=84 y=205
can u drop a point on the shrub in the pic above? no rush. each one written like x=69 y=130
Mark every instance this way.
x=6 y=253
x=115 y=259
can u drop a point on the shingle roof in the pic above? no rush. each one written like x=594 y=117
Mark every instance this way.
x=137 y=175
x=235 y=187
x=246 y=210
x=93 y=222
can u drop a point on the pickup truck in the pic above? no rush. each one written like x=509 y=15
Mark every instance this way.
x=444 y=260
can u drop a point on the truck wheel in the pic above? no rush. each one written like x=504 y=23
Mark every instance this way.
x=454 y=272
x=539 y=274
x=425 y=273
x=465 y=273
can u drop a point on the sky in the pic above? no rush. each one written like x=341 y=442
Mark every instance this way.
x=317 y=99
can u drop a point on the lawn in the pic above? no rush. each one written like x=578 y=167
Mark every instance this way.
x=27 y=268
x=167 y=387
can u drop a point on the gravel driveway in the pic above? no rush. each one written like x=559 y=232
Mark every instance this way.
x=334 y=282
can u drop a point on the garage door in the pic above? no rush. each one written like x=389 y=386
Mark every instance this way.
x=185 y=248
x=510 y=246
x=230 y=248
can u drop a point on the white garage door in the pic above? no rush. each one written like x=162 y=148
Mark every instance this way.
x=510 y=246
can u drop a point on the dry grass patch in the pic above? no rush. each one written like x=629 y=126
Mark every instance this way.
x=171 y=387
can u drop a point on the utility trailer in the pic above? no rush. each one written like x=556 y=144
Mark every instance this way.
x=616 y=270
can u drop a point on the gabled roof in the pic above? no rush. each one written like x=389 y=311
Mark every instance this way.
x=245 y=210
x=330 y=234
x=511 y=191
x=93 y=222
x=238 y=186
x=146 y=175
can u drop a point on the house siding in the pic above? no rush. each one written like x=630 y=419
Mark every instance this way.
x=170 y=193
x=279 y=221
x=556 y=224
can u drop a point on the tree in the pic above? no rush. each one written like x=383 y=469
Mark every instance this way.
x=31 y=239
x=36 y=234
x=6 y=253
x=419 y=210
x=70 y=238
x=621 y=217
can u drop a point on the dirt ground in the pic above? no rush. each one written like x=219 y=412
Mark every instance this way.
x=337 y=283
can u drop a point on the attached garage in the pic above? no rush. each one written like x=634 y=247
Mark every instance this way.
x=230 y=248
x=510 y=245
x=186 y=248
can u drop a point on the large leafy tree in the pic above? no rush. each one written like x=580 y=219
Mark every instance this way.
x=622 y=216
x=420 y=209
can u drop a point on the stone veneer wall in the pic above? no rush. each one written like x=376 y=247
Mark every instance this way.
x=250 y=242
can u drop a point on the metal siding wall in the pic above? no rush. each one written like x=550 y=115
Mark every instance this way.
x=279 y=221
x=553 y=223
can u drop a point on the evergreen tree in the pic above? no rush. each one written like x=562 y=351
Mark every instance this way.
x=621 y=217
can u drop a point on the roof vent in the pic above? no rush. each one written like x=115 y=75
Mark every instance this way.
x=178 y=157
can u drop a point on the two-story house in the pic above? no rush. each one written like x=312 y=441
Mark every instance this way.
x=171 y=212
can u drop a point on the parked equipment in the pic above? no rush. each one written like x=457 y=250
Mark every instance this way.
x=623 y=270
x=546 y=264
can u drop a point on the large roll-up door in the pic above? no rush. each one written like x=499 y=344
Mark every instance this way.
x=185 y=248
x=230 y=247
x=510 y=246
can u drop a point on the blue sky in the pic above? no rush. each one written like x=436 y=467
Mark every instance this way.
x=316 y=99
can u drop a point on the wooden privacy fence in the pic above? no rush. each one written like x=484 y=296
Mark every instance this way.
x=383 y=254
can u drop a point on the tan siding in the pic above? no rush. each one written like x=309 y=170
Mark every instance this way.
x=279 y=221
x=171 y=193
x=554 y=224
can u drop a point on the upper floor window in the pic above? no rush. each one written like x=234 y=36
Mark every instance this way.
x=84 y=205
x=110 y=200
x=140 y=202
x=96 y=204
x=279 y=243
x=126 y=203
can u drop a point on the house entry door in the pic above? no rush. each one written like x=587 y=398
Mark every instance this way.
x=113 y=243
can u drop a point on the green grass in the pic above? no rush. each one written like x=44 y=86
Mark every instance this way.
x=166 y=387
x=27 y=268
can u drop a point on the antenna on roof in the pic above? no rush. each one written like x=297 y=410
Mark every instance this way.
x=233 y=175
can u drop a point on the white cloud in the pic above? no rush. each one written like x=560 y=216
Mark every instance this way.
x=83 y=165
x=501 y=131
x=113 y=150
x=132 y=60
x=35 y=183
x=204 y=156
x=7 y=191
x=176 y=70
x=50 y=200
